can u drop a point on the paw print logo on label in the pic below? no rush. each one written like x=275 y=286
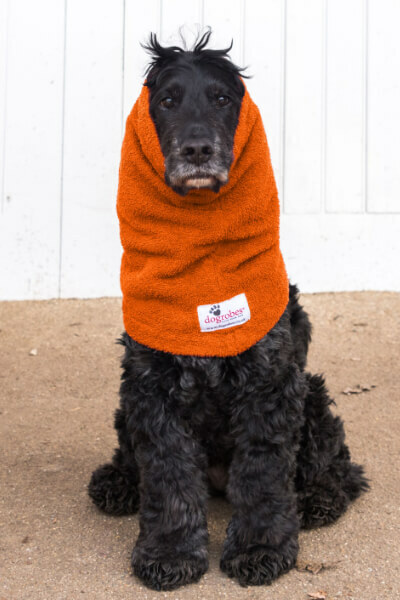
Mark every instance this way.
x=215 y=310
x=224 y=314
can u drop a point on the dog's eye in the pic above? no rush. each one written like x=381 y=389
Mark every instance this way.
x=167 y=102
x=223 y=100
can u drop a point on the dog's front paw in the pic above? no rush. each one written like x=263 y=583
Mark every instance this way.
x=259 y=565
x=169 y=573
x=112 y=491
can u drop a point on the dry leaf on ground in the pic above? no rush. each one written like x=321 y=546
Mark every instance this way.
x=315 y=567
x=358 y=389
x=317 y=595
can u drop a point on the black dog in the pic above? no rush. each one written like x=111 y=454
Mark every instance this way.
x=255 y=425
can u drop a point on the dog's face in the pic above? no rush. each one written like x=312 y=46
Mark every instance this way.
x=195 y=104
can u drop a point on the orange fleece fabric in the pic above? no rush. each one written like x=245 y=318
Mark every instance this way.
x=201 y=274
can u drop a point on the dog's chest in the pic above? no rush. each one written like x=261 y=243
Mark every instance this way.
x=207 y=396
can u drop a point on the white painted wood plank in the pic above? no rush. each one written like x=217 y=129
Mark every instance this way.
x=226 y=17
x=304 y=97
x=180 y=13
x=137 y=31
x=92 y=142
x=30 y=222
x=345 y=116
x=264 y=53
x=342 y=252
x=383 y=106
x=30 y=219
x=3 y=81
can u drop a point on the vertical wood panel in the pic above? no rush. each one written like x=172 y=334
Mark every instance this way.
x=345 y=159
x=3 y=87
x=226 y=17
x=338 y=252
x=328 y=138
x=29 y=230
x=264 y=28
x=92 y=142
x=304 y=110
x=136 y=32
x=383 y=106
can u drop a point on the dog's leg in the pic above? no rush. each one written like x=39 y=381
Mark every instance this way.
x=326 y=481
x=262 y=537
x=300 y=327
x=114 y=487
x=171 y=548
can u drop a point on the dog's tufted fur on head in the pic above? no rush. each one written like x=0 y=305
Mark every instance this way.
x=255 y=427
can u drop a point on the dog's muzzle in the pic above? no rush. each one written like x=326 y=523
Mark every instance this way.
x=197 y=163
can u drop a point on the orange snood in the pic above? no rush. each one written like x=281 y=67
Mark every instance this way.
x=201 y=274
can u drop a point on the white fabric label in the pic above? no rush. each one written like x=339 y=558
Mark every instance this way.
x=222 y=315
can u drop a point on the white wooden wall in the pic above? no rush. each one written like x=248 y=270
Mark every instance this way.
x=327 y=81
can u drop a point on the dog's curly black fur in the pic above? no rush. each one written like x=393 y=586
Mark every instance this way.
x=257 y=421
x=256 y=427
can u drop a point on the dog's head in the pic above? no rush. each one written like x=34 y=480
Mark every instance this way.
x=195 y=99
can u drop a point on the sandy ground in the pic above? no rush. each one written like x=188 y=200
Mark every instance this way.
x=59 y=378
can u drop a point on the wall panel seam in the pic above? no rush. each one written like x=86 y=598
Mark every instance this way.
x=242 y=32
x=160 y=19
x=123 y=67
x=365 y=103
x=60 y=250
x=283 y=102
x=324 y=107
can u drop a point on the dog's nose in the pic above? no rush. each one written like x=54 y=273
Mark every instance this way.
x=197 y=152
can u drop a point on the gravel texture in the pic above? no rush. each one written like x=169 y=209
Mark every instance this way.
x=59 y=379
